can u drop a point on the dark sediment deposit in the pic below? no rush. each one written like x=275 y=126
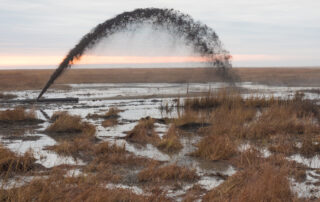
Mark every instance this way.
x=203 y=39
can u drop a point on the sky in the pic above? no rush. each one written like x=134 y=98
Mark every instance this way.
x=257 y=33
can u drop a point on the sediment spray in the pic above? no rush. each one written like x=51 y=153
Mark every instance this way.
x=203 y=39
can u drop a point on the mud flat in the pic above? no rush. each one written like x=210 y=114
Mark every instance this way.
x=36 y=79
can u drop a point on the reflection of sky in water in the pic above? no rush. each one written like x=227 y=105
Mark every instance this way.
x=95 y=91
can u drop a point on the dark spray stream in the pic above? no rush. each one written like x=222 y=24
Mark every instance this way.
x=203 y=39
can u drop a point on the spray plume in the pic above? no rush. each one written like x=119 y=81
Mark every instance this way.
x=202 y=38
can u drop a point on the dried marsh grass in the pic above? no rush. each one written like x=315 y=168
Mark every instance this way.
x=77 y=148
x=18 y=114
x=215 y=148
x=66 y=123
x=167 y=173
x=144 y=132
x=265 y=183
x=229 y=99
x=10 y=163
x=109 y=123
x=60 y=188
x=111 y=162
x=281 y=120
x=170 y=142
x=112 y=113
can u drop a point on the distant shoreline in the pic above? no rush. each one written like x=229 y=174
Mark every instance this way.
x=35 y=79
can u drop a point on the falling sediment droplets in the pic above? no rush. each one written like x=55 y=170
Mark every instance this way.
x=202 y=38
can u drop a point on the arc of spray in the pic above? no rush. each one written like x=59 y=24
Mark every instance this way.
x=204 y=40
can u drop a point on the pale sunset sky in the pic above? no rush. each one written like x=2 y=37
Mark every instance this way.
x=257 y=33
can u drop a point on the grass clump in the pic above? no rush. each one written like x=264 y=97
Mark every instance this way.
x=309 y=147
x=66 y=123
x=167 y=173
x=60 y=188
x=267 y=183
x=18 y=114
x=10 y=163
x=170 y=143
x=75 y=137
x=280 y=120
x=215 y=148
x=112 y=154
x=110 y=117
x=109 y=123
x=79 y=147
x=143 y=132
x=112 y=113
x=111 y=162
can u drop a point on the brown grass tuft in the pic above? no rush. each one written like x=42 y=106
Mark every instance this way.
x=167 y=173
x=60 y=188
x=194 y=193
x=309 y=147
x=10 y=163
x=284 y=145
x=170 y=142
x=110 y=162
x=79 y=147
x=267 y=183
x=66 y=123
x=144 y=132
x=280 y=120
x=229 y=99
x=215 y=148
x=56 y=115
x=112 y=113
x=107 y=148
x=18 y=114
x=109 y=123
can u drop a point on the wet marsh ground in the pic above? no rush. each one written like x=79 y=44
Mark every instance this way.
x=250 y=143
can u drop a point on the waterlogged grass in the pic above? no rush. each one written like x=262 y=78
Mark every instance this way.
x=11 y=163
x=57 y=187
x=169 y=173
x=222 y=123
x=18 y=114
x=170 y=143
x=65 y=123
x=144 y=132
x=215 y=148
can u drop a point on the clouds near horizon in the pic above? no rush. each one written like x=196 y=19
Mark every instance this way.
x=284 y=32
